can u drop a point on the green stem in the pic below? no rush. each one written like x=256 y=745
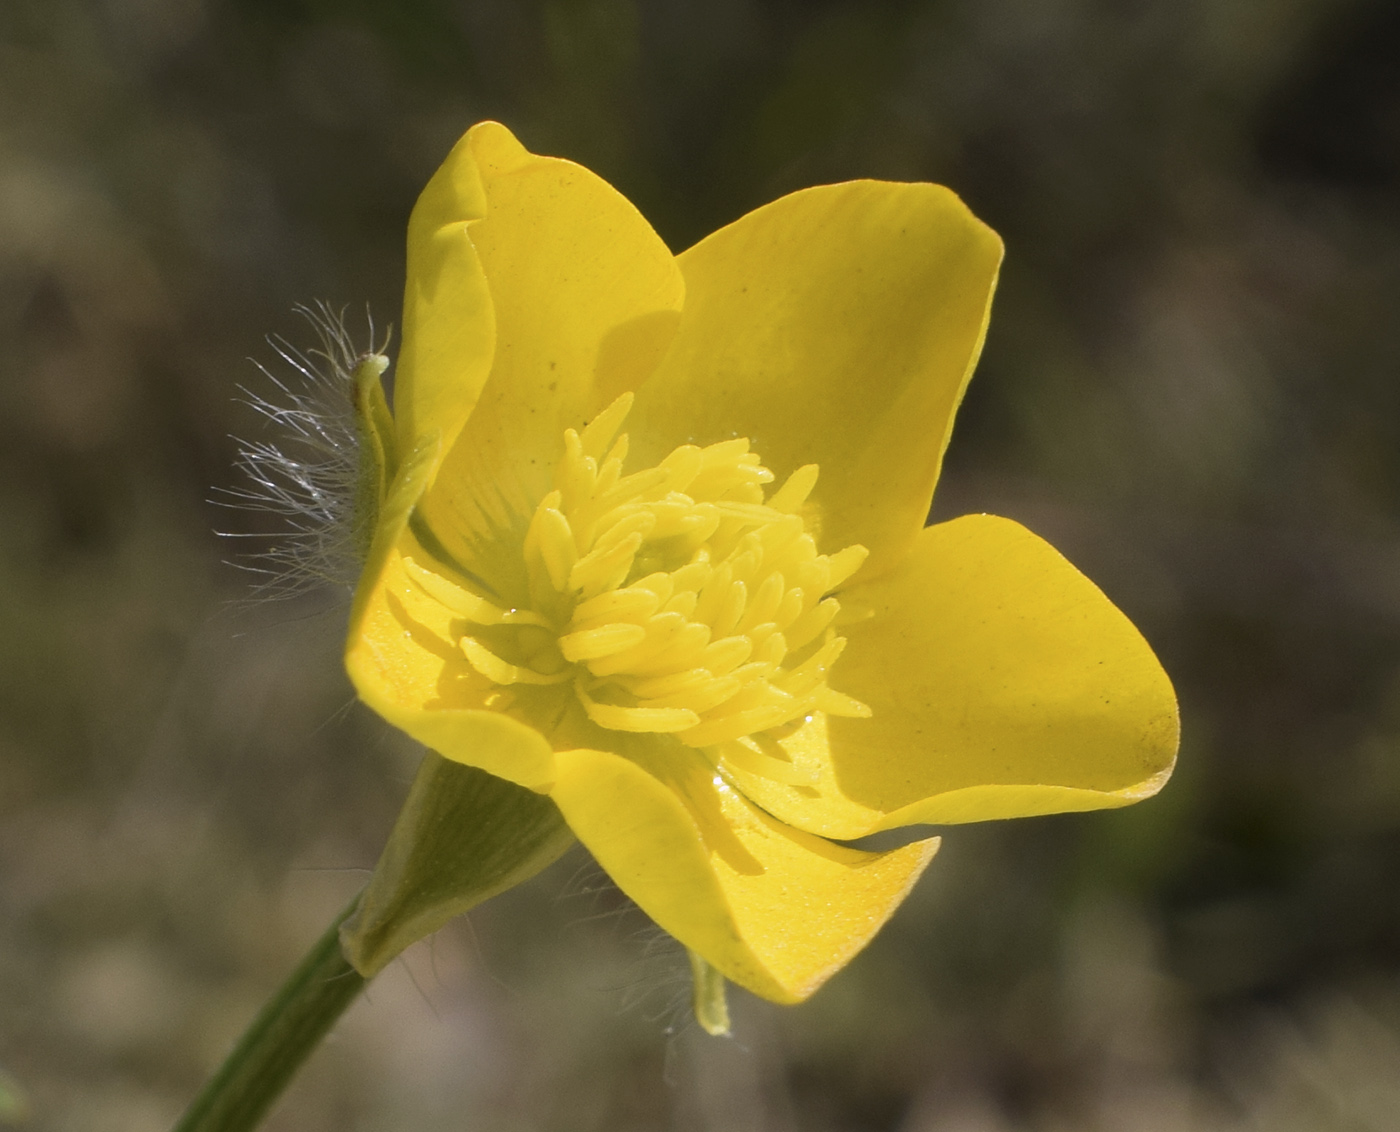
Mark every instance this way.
x=289 y=1027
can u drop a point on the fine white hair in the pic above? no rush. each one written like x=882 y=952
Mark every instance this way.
x=308 y=473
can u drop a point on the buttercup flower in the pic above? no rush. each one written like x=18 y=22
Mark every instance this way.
x=650 y=541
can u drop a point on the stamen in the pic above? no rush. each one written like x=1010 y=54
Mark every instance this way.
x=812 y=624
x=765 y=602
x=599 y=432
x=683 y=603
x=701 y=694
x=499 y=671
x=674 y=599
x=592 y=644
x=635 y=719
x=576 y=477
x=725 y=655
x=794 y=493
x=731 y=608
x=844 y=563
x=605 y=567
x=464 y=603
x=745 y=754
x=632 y=604
x=833 y=702
x=790 y=608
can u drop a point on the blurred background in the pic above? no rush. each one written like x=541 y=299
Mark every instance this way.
x=1190 y=386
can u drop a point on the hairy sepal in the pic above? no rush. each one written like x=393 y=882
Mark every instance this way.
x=462 y=837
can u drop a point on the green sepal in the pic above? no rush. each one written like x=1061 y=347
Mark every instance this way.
x=707 y=996
x=462 y=836
x=378 y=448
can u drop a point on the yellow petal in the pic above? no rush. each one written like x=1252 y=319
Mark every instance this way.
x=406 y=663
x=777 y=911
x=403 y=658
x=1002 y=683
x=448 y=323
x=411 y=479
x=586 y=299
x=836 y=326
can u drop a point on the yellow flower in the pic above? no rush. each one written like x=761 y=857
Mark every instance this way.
x=605 y=568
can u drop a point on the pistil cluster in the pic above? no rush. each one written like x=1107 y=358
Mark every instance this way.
x=674 y=600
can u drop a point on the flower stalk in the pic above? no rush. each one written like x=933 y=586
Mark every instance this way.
x=284 y=1033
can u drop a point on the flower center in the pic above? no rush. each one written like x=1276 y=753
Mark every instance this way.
x=675 y=599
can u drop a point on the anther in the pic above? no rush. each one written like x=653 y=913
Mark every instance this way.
x=674 y=599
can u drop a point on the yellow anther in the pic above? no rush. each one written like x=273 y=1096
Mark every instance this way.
x=713 y=592
x=770 y=646
x=726 y=453
x=731 y=608
x=660 y=630
x=844 y=563
x=699 y=696
x=591 y=644
x=808 y=675
x=745 y=754
x=790 y=608
x=499 y=671
x=812 y=623
x=577 y=475
x=740 y=479
x=675 y=599
x=746 y=559
x=636 y=522
x=832 y=702
x=605 y=567
x=617 y=453
x=757 y=693
x=657 y=687
x=695 y=574
x=814 y=576
x=556 y=540
x=619 y=718
x=683 y=465
x=635 y=486
x=779 y=539
x=632 y=604
x=700 y=524
x=756 y=672
x=793 y=494
x=462 y=602
x=765 y=602
x=750 y=514
x=681 y=650
x=738 y=724
x=674 y=516
x=726 y=655
x=599 y=432
x=682 y=603
x=662 y=585
x=609 y=474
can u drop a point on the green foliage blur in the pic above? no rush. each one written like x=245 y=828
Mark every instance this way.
x=1191 y=386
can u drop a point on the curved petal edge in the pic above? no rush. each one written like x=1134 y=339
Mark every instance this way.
x=775 y=910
